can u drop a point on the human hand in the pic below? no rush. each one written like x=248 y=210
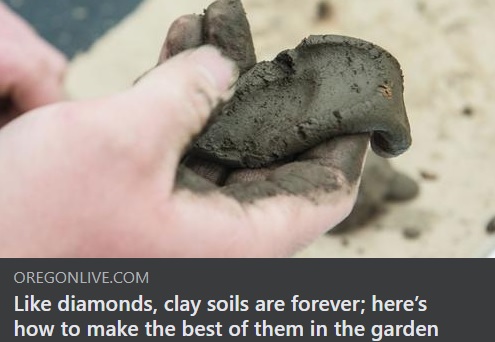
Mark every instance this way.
x=31 y=70
x=99 y=178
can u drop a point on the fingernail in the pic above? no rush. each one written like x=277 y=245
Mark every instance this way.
x=221 y=71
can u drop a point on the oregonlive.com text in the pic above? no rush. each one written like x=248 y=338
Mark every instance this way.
x=81 y=277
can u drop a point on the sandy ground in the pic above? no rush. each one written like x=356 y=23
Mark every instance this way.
x=446 y=51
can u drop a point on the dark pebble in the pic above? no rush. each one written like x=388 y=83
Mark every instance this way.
x=324 y=10
x=411 y=233
x=490 y=227
x=468 y=111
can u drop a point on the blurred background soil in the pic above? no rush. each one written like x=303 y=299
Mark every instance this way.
x=447 y=55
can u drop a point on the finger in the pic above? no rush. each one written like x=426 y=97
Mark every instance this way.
x=211 y=171
x=7 y=111
x=226 y=26
x=34 y=83
x=39 y=82
x=156 y=120
x=281 y=214
x=222 y=175
x=185 y=33
x=36 y=92
x=251 y=175
x=344 y=154
x=329 y=153
x=248 y=175
x=29 y=94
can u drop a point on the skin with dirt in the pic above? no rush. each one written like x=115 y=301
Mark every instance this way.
x=327 y=88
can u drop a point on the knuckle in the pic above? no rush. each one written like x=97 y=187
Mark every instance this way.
x=195 y=96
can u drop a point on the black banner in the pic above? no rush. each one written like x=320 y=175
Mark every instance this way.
x=355 y=300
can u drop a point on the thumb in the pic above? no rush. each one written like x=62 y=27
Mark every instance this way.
x=159 y=116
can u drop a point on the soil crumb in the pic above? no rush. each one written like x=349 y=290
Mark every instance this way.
x=324 y=10
x=411 y=233
x=490 y=227
x=428 y=175
x=380 y=184
x=467 y=111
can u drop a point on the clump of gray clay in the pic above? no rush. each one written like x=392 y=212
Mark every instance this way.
x=328 y=86
x=380 y=184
